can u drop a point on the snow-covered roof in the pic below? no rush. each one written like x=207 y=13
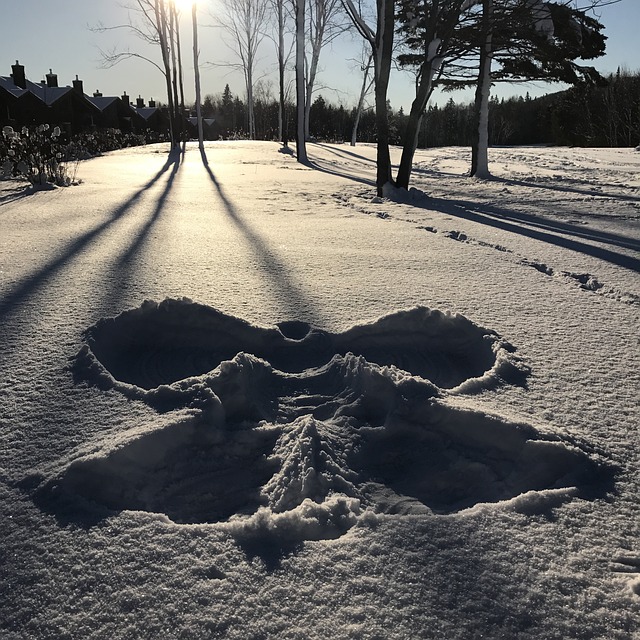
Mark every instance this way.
x=48 y=95
x=144 y=112
x=101 y=102
x=7 y=84
x=208 y=121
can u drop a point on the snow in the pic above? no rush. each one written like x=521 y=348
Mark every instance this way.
x=249 y=398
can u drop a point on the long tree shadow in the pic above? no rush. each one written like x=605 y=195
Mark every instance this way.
x=514 y=222
x=120 y=273
x=557 y=226
x=342 y=153
x=566 y=189
x=28 y=285
x=295 y=299
x=314 y=164
x=531 y=184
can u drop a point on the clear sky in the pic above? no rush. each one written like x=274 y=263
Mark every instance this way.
x=45 y=35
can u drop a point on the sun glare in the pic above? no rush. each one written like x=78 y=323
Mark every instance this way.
x=184 y=5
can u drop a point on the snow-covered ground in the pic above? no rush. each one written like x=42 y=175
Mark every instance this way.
x=250 y=399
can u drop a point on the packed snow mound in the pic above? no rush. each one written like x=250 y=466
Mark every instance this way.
x=308 y=449
x=161 y=343
x=187 y=471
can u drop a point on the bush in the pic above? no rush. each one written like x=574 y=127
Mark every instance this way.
x=38 y=155
x=45 y=156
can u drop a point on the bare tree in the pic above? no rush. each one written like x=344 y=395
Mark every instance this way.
x=381 y=42
x=283 y=52
x=245 y=22
x=367 y=83
x=172 y=35
x=196 y=69
x=301 y=148
x=176 y=49
x=326 y=23
x=149 y=21
x=162 y=25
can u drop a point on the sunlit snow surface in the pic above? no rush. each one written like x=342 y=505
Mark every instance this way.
x=344 y=416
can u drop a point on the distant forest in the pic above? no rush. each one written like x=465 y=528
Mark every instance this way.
x=584 y=116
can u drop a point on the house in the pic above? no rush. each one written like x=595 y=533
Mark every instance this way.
x=148 y=117
x=16 y=102
x=23 y=102
x=113 y=112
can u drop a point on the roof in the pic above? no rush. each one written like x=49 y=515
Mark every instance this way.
x=48 y=95
x=101 y=102
x=208 y=121
x=145 y=112
x=7 y=84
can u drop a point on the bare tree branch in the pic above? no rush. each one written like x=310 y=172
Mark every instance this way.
x=111 y=59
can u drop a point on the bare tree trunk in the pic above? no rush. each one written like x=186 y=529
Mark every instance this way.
x=180 y=69
x=174 y=66
x=480 y=143
x=366 y=86
x=196 y=68
x=381 y=42
x=301 y=147
x=382 y=56
x=312 y=70
x=251 y=121
x=441 y=23
x=161 y=21
x=282 y=116
x=245 y=20
x=324 y=27
x=316 y=34
x=410 y=142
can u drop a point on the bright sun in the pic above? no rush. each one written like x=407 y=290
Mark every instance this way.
x=183 y=5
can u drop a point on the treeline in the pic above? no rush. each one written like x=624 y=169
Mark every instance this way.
x=584 y=115
x=327 y=122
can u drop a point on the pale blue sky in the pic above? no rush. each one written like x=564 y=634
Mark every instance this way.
x=43 y=34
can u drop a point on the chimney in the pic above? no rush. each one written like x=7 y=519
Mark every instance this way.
x=97 y=94
x=152 y=103
x=52 y=79
x=125 y=99
x=78 y=86
x=17 y=73
x=139 y=102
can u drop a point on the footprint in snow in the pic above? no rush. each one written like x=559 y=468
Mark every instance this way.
x=628 y=564
x=297 y=432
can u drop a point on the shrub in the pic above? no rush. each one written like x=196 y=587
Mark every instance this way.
x=45 y=156
x=37 y=154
